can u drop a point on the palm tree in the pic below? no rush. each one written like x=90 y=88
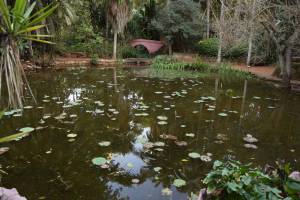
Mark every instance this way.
x=17 y=24
x=119 y=14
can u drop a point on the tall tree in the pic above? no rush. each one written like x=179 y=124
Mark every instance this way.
x=119 y=15
x=281 y=20
x=221 y=31
x=178 y=21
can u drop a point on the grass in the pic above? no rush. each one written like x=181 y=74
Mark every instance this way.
x=223 y=70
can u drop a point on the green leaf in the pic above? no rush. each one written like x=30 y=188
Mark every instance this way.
x=5 y=14
x=233 y=186
x=194 y=155
x=104 y=143
x=179 y=182
x=99 y=161
x=13 y=137
x=43 y=15
x=38 y=40
x=293 y=185
x=29 y=29
x=26 y=130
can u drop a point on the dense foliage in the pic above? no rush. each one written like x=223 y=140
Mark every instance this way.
x=233 y=180
x=179 y=22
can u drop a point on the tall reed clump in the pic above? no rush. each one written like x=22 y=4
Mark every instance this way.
x=17 y=24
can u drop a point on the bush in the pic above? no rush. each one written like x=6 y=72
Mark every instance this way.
x=94 y=60
x=131 y=52
x=209 y=47
x=237 y=51
x=233 y=180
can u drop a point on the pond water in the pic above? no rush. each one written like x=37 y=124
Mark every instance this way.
x=147 y=125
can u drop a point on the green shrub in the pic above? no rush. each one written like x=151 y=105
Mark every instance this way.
x=237 y=181
x=237 y=51
x=94 y=60
x=132 y=52
x=208 y=47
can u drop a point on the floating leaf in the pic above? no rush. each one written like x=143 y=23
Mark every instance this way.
x=162 y=123
x=159 y=144
x=190 y=135
x=194 y=155
x=250 y=146
x=104 y=143
x=223 y=114
x=205 y=158
x=157 y=169
x=26 y=130
x=181 y=143
x=250 y=139
x=179 y=182
x=162 y=118
x=14 y=137
x=135 y=181
x=72 y=135
x=166 y=192
x=99 y=161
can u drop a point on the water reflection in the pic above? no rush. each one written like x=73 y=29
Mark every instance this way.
x=210 y=114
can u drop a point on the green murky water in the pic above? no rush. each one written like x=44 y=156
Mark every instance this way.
x=148 y=126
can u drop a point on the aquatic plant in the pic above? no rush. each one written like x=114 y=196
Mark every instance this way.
x=233 y=180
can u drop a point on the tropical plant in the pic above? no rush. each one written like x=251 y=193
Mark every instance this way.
x=233 y=180
x=17 y=24
x=119 y=14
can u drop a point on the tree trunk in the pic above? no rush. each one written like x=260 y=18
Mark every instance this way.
x=208 y=18
x=170 y=49
x=115 y=45
x=284 y=60
x=288 y=57
x=221 y=32
x=250 y=42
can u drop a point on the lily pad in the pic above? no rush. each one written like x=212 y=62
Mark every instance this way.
x=181 y=143
x=223 y=114
x=162 y=118
x=72 y=135
x=26 y=130
x=99 y=161
x=190 y=135
x=159 y=144
x=250 y=139
x=157 y=169
x=179 y=182
x=162 y=123
x=135 y=181
x=194 y=155
x=104 y=143
x=205 y=158
x=166 y=192
x=250 y=146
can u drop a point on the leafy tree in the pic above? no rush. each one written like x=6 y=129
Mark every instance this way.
x=178 y=20
x=16 y=24
x=281 y=20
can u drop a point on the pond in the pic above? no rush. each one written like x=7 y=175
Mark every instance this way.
x=146 y=129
